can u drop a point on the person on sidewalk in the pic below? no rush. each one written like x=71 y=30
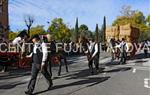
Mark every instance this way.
x=39 y=57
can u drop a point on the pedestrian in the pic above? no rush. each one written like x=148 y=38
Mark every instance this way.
x=39 y=58
x=21 y=37
x=145 y=48
x=61 y=55
x=4 y=59
x=123 y=49
x=94 y=56
x=111 y=46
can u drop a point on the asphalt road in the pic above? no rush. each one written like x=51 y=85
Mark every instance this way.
x=130 y=79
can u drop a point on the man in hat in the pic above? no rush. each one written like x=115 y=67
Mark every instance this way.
x=39 y=58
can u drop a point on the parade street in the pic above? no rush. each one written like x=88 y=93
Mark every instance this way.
x=129 y=79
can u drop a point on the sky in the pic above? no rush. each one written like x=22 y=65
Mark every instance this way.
x=89 y=12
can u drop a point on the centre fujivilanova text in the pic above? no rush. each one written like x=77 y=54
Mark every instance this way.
x=79 y=47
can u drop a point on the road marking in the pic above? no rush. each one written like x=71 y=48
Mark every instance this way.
x=146 y=83
x=134 y=70
x=145 y=68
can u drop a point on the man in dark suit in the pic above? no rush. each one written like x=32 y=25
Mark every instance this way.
x=93 y=51
x=39 y=58
x=123 y=49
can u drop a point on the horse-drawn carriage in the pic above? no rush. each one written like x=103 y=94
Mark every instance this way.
x=13 y=59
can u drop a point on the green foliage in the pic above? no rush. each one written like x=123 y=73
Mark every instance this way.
x=59 y=30
x=144 y=35
x=83 y=30
x=97 y=33
x=134 y=17
x=39 y=29
x=12 y=35
x=76 y=30
x=103 y=30
x=148 y=19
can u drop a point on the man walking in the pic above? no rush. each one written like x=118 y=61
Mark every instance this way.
x=111 y=46
x=94 y=56
x=39 y=57
x=145 y=48
x=123 y=49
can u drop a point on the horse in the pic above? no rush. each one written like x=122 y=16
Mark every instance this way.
x=55 y=57
x=9 y=57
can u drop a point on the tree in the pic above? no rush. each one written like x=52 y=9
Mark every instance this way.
x=103 y=30
x=39 y=29
x=97 y=33
x=76 y=31
x=144 y=35
x=59 y=30
x=12 y=35
x=73 y=36
x=29 y=21
x=148 y=19
x=127 y=11
x=134 y=17
x=83 y=30
x=90 y=34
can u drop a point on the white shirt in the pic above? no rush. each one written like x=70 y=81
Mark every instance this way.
x=91 y=47
x=121 y=44
x=43 y=48
x=16 y=40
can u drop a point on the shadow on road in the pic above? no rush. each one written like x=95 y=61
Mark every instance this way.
x=77 y=74
x=112 y=63
x=93 y=80
x=140 y=56
x=141 y=61
x=11 y=85
x=122 y=69
x=80 y=74
x=15 y=74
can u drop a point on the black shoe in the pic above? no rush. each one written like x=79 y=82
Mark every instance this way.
x=59 y=74
x=50 y=86
x=28 y=92
x=101 y=70
x=92 y=73
x=67 y=71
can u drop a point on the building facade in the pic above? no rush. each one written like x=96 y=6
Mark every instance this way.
x=4 y=23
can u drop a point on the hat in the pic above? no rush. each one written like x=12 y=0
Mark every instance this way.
x=36 y=36
x=23 y=33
